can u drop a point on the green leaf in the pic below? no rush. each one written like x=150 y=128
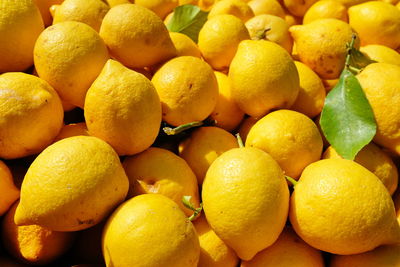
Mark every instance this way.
x=347 y=120
x=358 y=59
x=188 y=19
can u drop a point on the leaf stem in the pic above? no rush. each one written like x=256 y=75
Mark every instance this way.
x=262 y=34
x=290 y=179
x=239 y=140
x=188 y=204
x=181 y=128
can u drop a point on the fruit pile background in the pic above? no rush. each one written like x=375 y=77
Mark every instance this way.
x=210 y=133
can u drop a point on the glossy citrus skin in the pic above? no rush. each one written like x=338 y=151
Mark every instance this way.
x=72 y=185
x=381 y=54
x=184 y=45
x=69 y=56
x=270 y=7
x=236 y=8
x=9 y=193
x=251 y=211
x=335 y=196
x=31 y=112
x=326 y=9
x=20 y=24
x=122 y=107
x=134 y=236
x=160 y=7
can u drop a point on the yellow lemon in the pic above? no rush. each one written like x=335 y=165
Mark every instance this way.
x=9 y=193
x=159 y=171
x=245 y=127
x=310 y=100
x=184 y=45
x=268 y=7
x=245 y=200
x=150 y=230
x=122 y=108
x=376 y=22
x=325 y=9
x=321 y=45
x=44 y=8
x=227 y=115
x=73 y=129
x=376 y=161
x=31 y=115
x=219 y=39
x=381 y=53
x=271 y=28
x=381 y=85
x=113 y=3
x=330 y=84
x=160 y=7
x=203 y=146
x=69 y=56
x=32 y=243
x=336 y=196
x=298 y=7
x=213 y=251
x=236 y=8
x=274 y=79
x=20 y=26
x=383 y=256
x=136 y=36
x=72 y=185
x=288 y=251
x=186 y=96
x=292 y=20
x=206 y=5
x=290 y=137
x=90 y=12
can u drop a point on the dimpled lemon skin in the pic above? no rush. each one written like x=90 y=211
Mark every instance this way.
x=340 y=207
x=122 y=108
x=20 y=25
x=290 y=137
x=31 y=115
x=376 y=22
x=321 y=45
x=245 y=200
x=136 y=36
x=186 y=96
x=380 y=82
x=274 y=81
x=72 y=185
x=69 y=56
x=150 y=231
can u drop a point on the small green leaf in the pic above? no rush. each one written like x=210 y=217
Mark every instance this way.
x=188 y=19
x=347 y=120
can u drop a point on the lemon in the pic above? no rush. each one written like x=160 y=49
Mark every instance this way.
x=72 y=185
x=184 y=45
x=290 y=137
x=330 y=84
x=136 y=36
x=236 y=8
x=160 y=7
x=206 y=5
x=9 y=193
x=32 y=243
x=376 y=22
x=267 y=7
x=376 y=161
x=203 y=146
x=69 y=56
x=90 y=12
x=381 y=53
x=219 y=39
x=73 y=129
x=113 y=3
x=384 y=256
x=20 y=26
x=160 y=171
x=213 y=251
x=44 y=8
x=122 y=108
x=336 y=196
x=271 y=28
x=245 y=200
x=321 y=45
x=262 y=93
x=381 y=85
x=135 y=236
x=31 y=115
x=298 y=7
x=245 y=127
x=186 y=96
x=288 y=251
x=310 y=100
x=325 y=9
x=227 y=115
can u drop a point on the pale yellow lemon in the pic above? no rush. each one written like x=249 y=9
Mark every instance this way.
x=326 y=9
x=236 y=8
x=381 y=53
x=184 y=45
x=160 y=7
x=268 y=7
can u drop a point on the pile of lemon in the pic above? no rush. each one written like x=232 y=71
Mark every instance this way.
x=106 y=187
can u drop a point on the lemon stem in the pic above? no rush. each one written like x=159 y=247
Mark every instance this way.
x=350 y=48
x=186 y=200
x=262 y=34
x=290 y=179
x=239 y=140
x=181 y=128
